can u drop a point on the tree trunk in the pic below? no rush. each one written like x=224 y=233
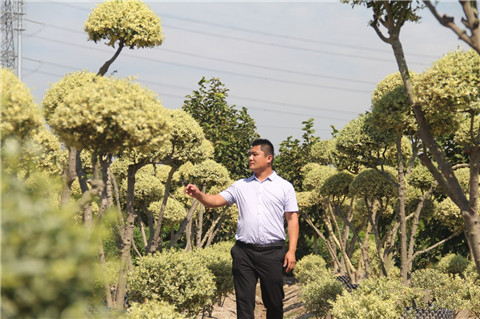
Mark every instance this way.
x=155 y=240
x=184 y=223
x=127 y=237
x=401 y=212
x=200 y=226
x=69 y=176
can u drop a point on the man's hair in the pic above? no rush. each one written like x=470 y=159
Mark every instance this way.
x=266 y=146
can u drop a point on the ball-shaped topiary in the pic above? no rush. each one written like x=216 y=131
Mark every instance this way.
x=131 y=22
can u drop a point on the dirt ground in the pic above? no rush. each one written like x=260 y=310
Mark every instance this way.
x=293 y=307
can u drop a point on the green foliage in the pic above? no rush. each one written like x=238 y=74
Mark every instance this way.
x=20 y=116
x=448 y=89
x=48 y=262
x=210 y=173
x=337 y=187
x=295 y=154
x=452 y=264
x=174 y=211
x=130 y=22
x=323 y=152
x=152 y=309
x=362 y=144
x=371 y=183
x=218 y=260
x=316 y=177
x=230 y=130
x=177 y=277
x=318 y=295
x=57 y=92
x=186 y=141
x=310 y=268
x=376 y=298
x=447 y=291
x=390 y=106
x=109 y=115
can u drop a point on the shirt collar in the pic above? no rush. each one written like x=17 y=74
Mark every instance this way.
x=271 y=177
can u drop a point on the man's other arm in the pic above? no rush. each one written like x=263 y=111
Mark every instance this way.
x=293 y=230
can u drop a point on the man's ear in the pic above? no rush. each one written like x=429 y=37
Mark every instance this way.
x=269 y=158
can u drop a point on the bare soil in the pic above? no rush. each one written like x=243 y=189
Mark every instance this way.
x=292 y=305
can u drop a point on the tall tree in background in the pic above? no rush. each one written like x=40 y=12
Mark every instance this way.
x=391 y=16
x=295 y=154
x=229 y=129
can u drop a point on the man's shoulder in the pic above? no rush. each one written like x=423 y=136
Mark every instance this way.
x=279 y=179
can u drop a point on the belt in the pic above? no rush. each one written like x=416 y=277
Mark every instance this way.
x=257 y=247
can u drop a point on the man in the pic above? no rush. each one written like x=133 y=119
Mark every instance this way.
x=263 y=200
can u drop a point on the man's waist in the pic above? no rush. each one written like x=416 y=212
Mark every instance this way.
x=262 y=247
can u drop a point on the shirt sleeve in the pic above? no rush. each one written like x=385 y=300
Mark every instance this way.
x=229 y=194
x=291 y=204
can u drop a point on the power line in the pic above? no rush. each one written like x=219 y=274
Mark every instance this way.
x=269 y=34
x=235 y=62
x=233 y=96
x=343 y=89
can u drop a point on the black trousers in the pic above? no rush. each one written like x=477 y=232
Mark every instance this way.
x=251 y=264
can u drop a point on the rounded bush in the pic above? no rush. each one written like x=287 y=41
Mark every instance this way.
x=452 y=264
x=152 y=309
x=310 y=268
x=376 y=298
x=218 y=260
x=177 y=277
x=319 y=294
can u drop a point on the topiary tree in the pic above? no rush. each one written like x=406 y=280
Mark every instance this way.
x=108 y=116
x=131 y=23
x=20 y=116
x=186 y=142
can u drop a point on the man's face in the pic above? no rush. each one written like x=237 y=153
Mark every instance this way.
x=257 y=160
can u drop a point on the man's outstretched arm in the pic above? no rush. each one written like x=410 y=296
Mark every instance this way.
x=207 y=200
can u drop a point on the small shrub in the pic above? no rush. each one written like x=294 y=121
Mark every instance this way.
x=310 y=268
x=471 y=272
x=152 y=309
x=318 y=294
x=452 y=264
x=446 y=291
x=376 y=298
x=177 y=277
x=219 y=261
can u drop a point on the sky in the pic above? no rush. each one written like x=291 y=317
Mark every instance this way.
x=286 y=62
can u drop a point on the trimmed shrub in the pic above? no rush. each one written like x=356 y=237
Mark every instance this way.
x=219 y=261
x=310 y=268
x=152 y=309
x=445 y=291
x=376 y=298
x=319 y=294
x=177 y=277
x=452 y=264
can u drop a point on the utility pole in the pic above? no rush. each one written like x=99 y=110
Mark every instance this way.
x=19 y=37
x=11 y=25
